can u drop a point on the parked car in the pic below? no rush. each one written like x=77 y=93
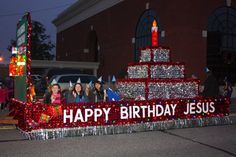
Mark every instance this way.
x=64 y=80
x=41 y=85
x=60 y=71
x=36 y=77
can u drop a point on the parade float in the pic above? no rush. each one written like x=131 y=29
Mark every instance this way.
x=156 y=96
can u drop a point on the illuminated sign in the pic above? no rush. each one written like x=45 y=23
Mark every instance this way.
x=17 y=65
x=14 y=50
x=21 y=40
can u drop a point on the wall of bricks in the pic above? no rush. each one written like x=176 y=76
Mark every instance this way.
x=182 y=20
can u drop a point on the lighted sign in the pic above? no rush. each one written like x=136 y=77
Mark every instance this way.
x=21 y=30
x=14 y=50
x=21 y=40
x=17 y=65
x=18 y=61
x=22 y=50
x=13 y=66
x=21 y=60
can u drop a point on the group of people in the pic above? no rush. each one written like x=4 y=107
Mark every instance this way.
x=93 y=92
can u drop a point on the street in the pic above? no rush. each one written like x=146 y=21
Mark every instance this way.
x=214 y=141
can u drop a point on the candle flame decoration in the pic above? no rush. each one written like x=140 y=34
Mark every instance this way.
x=154 y=23
x=154 y=34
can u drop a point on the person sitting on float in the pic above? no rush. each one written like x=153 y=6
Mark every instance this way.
x=97 y=94
x=77 y=94
x=54 y=96
x=112 y=92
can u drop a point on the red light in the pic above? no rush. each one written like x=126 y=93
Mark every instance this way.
x=154 y=34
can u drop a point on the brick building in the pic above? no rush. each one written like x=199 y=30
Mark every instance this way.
x=199 y=33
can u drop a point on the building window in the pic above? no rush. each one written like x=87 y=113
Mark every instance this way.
x=92 y=45
x=221 y=42
x=143 y=31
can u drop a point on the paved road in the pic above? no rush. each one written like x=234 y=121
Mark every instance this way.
x=232 y=107
x=217 y=141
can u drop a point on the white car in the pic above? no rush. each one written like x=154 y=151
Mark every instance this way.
x=36 y=77
x=64 y=80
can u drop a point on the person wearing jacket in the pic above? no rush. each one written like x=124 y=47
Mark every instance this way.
x=54 y=96
x=112 y=92
x=77 y=95
x=97 y=94
x=211 y=86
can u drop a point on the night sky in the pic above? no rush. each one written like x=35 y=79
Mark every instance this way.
x=43 y=11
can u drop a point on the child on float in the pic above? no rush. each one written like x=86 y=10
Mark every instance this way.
x=112 y=92
x=97 y=94
x=77 y=94
x=54 y=96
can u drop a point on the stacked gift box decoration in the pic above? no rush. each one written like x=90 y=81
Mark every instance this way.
x=157 y=77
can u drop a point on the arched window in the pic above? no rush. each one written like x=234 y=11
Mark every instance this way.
x=143 y=31
x=221 y=41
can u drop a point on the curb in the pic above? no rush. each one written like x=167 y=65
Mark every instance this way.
x=7 y=127
x=233 y=118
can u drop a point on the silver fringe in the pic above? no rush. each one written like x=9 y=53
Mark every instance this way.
x=44 y=134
